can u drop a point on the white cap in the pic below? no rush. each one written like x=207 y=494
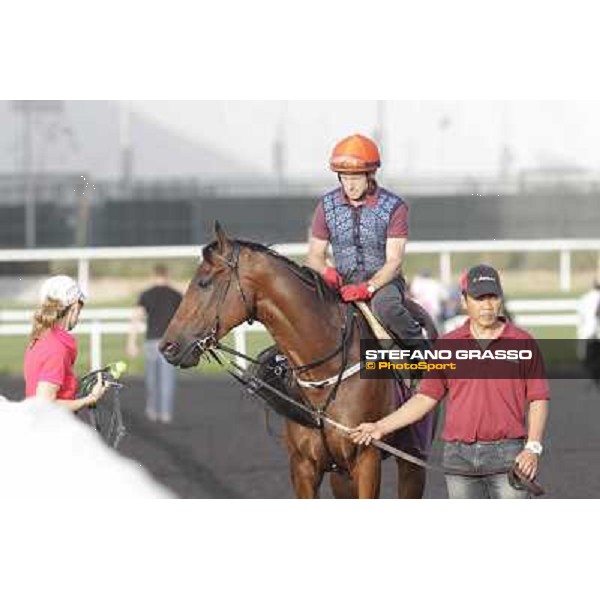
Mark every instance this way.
x=62 y=288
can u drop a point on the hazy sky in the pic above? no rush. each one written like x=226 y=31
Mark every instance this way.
x=421 y=137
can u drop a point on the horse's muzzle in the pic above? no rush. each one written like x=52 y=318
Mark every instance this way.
x=170 y=350
x=180 y=356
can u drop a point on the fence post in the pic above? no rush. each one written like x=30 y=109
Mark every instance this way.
x=83 y=274
x=239 y=336
x=96 y=345
x=445 y=267
x=565 y=270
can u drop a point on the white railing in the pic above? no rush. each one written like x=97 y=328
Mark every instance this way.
x=89 y=314
x=83 y=256
x=107 y=321
x=95 y=329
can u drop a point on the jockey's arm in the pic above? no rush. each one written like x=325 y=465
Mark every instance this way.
x=317 y=254
x=394 y=255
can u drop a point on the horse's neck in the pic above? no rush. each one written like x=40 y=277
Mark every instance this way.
x=303 y=326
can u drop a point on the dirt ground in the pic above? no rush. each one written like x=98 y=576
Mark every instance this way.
x=219 y=447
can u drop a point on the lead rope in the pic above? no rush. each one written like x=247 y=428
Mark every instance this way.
x=245 y=378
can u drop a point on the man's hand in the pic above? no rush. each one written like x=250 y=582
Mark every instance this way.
x=354 y=292
x=528 y=463
x=332 y=278
x=365 y=433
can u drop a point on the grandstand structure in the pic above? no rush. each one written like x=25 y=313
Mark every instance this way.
x=73 y=209
x=88 y=174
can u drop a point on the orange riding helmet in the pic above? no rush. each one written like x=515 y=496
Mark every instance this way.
x=355 y=154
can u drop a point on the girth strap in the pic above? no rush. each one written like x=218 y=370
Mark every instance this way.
x=330 y=380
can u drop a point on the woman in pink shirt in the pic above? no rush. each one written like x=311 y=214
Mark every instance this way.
x=52 y=351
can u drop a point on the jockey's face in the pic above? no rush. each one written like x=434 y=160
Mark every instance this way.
x=355 y=184
x=483 y=311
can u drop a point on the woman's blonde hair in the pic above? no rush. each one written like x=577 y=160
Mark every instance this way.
x=46 y=317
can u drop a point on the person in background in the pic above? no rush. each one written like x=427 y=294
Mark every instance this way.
x=490 y=423
x=50 y=357
x=588 y=332
x=430 y=293
x=156 y=305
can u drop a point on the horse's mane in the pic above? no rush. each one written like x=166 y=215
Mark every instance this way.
x=309 y=276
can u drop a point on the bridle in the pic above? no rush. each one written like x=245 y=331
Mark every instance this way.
x=211 y=341
x=106 y=416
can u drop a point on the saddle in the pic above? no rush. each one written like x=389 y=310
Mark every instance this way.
x=388 y=339
x=273 y=368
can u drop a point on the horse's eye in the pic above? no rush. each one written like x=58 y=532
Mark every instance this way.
x=204 y=281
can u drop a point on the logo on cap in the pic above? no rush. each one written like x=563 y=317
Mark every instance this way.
x=483 y=280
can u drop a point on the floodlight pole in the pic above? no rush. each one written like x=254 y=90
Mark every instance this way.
x=28 y=108
x=125 y=144
x=379 y=133
x=280 y=146
x=30 y=233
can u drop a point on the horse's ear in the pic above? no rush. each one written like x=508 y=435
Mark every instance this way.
x=222 y=239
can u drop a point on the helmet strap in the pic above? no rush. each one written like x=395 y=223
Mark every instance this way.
x=372 y=185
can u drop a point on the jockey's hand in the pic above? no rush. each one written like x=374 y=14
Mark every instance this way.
x=354 y=292
x=528 y=463
x=365 y=433
x=332 y=278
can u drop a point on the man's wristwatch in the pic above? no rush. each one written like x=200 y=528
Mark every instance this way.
x=534 y=447
x=371 y=288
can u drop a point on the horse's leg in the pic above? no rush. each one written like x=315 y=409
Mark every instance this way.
x=306 y=476
x=411 y=480
x=366 y=473
x=342 y=485
x=306 y=468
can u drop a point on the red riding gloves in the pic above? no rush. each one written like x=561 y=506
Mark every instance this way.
x=349 y=293
x=332 y=278
x=355 y=292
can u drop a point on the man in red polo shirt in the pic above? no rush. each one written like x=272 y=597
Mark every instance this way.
x=490 y=423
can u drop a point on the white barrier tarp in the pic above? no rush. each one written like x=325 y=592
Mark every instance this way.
x=48 y=453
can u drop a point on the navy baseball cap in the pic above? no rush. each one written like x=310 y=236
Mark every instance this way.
x=483 y=280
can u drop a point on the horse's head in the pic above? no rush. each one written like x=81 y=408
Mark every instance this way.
x=215 y=302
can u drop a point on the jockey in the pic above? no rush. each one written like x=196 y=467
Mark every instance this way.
x=367 y=227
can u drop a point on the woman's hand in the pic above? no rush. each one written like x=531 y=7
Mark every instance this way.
x=365 y=433
x=98 y=390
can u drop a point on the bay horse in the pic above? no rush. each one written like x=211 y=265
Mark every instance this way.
x=241 y=281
